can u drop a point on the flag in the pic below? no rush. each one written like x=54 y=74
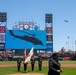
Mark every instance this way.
x=24 y=56
x=29 y=55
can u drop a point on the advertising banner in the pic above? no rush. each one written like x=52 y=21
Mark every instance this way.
x=49 y=30
x=49 y=46
x=2 y=37
x=49 y=37
x=2 y=29
x=2 y=46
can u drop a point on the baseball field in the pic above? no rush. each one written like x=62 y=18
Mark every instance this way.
x=10 y=68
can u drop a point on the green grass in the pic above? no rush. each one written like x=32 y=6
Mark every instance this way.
x=11 y=70
x=8 y=70
x=44 y=62
x=8 y=62
x=69 y=71
x=14 y=62
x=67 y=62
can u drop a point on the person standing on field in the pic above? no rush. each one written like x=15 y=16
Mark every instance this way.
x=32 y=63
x=18 y=63
x=25 y=64
x=54 y=65
x=40 y=63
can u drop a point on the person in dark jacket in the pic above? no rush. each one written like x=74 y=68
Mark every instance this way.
x=18 y=63
x=32 y=63
x=25 y=64
x=40 y=63
x=54 y=65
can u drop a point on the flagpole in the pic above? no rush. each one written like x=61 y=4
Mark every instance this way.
x=24 y=53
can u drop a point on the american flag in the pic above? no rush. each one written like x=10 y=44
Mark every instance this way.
x=24 y=52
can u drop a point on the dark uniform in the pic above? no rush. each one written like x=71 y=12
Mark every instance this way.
x=25 y=66
x=32 y=63
x=40 y=63
x=54 y=66
x=18 y=63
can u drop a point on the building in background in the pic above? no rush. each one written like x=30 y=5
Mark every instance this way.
x=26 y=32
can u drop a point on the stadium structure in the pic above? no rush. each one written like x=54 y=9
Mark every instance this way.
x=24 y=35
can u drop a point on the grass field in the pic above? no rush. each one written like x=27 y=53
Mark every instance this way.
x=44 y=62
x=11 y=70
x=67 y=62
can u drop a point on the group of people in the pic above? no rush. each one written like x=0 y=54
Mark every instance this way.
x=54 y=65
x=32 y=64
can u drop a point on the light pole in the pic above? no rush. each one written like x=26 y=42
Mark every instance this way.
x=75 y=45
x=66 y=46
x=68 y=43
x=72 y=44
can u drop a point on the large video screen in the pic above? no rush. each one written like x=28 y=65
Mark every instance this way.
x=18 y=39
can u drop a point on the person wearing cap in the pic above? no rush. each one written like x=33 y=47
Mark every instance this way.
x=54 y=65
x=18 y=63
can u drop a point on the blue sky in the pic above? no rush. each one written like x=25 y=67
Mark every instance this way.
x=36 y=9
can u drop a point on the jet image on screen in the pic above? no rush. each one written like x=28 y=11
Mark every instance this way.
x=30 y=38
x=16 y=39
